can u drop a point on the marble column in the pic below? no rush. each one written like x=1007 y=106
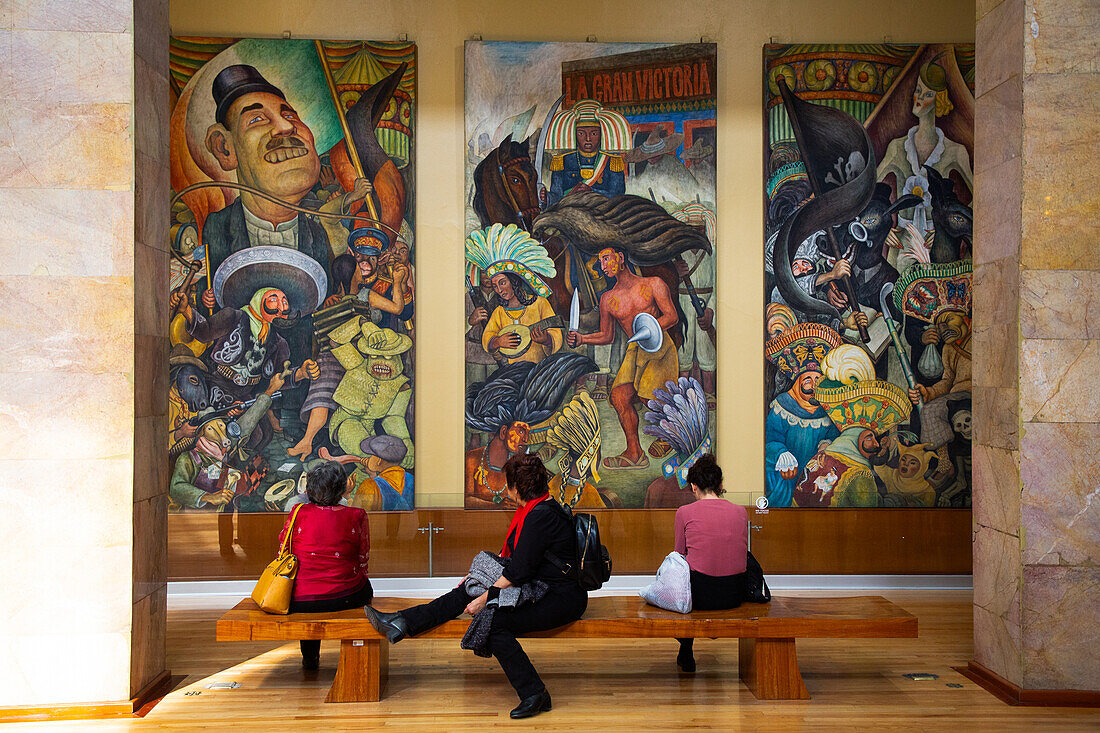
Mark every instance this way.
x=1037 y=344
x=82 y=381
x=152 y=191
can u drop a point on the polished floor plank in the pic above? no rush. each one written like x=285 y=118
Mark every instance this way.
x=612 y=685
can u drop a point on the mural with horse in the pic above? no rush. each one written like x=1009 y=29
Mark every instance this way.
x=590 y=256
x=868 y=252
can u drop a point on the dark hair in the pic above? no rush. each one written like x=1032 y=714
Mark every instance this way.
x=707 y=475
x=525 y=473
x=325 y=485
x=524 y=293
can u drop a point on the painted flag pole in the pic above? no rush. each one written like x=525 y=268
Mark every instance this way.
x=353 y=154
x=887 y=289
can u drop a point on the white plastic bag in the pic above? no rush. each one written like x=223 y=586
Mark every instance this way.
x=671 y=589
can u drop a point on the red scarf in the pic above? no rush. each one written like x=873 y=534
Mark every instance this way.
x=517 y=524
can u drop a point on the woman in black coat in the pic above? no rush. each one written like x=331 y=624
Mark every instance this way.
x=539 y=528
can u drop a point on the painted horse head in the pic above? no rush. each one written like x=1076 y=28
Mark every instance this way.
x=190 y=382
x=954 y=220
x=505 y=186
x=877 y=219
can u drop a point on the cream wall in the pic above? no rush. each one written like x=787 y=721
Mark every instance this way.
x=440 y=27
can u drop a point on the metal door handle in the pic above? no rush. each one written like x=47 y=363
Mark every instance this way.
x=432 y=530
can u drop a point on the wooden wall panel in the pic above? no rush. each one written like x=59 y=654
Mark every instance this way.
x=788 y=541
x=863 y=541
x=234 y=547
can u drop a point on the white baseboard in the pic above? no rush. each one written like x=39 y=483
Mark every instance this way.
x=189 y=591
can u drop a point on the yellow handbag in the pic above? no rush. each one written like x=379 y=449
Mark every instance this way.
x=276 y=583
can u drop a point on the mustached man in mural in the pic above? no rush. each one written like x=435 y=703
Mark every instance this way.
x=258 y=134
x=291 y=163
x=864 y=410
x=797 y=425
x=870 y=236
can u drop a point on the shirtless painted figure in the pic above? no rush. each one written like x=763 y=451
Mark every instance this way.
x=641 y=372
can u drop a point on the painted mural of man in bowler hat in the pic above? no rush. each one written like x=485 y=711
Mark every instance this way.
x=258 y=134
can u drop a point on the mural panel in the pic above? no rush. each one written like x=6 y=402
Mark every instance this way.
x=589 y=274
x=292 y=280
x=868 y=245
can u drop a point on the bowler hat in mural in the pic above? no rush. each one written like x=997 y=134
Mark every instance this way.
x=233 y=82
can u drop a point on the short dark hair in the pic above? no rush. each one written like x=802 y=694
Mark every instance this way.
x=525 y=473
x=707 y=475
x=326 y=484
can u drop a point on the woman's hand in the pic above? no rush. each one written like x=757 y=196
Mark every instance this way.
x=474 y=607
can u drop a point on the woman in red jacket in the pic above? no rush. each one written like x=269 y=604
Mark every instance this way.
x=332 y=543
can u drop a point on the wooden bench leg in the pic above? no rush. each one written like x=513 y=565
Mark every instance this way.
x=770 y=669
x=361 y=671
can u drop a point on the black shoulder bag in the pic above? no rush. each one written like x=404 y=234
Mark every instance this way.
x=756 y=587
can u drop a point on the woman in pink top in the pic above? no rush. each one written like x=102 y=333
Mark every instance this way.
x=712 y=534
x=332 y=544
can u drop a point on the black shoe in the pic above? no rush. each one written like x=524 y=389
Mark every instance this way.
x=393 y=625
x=311 y=663
x=685 y=660
x=531 y=706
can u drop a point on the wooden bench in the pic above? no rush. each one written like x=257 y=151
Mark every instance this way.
x=767 y=632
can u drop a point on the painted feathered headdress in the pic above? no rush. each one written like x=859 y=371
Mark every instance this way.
x=678 y=414
x=576 y=430
x=500 y=248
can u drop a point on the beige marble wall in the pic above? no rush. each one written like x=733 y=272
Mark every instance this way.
x=1037 y=343
x=77 y=305
x=1060 y=345
x=151 y=471
x=998 y=163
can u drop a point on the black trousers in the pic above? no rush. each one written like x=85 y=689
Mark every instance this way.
x=361 y=597
x=561 y=605
x=714 y=593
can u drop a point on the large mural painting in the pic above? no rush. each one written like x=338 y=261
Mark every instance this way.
x=868 y=247
x=292 y=279
x=589 y=268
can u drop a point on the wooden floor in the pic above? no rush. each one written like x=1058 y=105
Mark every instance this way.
x=596 y=686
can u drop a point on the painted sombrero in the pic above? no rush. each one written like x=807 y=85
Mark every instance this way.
x=877 y=405
x=298 y=275
x=925 y=289
x=853 y=397
x=801 y=348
